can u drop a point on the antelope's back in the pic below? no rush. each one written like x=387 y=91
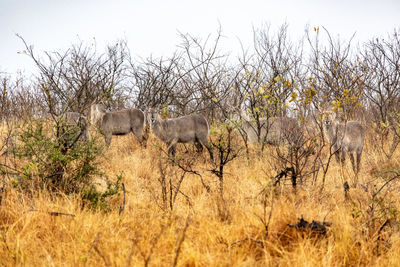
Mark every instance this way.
x=125 y=118
x=355 y=132
x=189 y=127
x=137 y=118
x=200 y=123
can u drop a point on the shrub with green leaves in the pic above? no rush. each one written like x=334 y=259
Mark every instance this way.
x=60 y=163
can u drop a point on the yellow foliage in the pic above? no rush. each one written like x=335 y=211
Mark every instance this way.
x=293 y=96
x=287 y=83
x=337 y=106
x=309 y=94
x=164 y=112
x=278 y=78
x=311 y=80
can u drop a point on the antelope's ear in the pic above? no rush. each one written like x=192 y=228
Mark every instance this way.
x=333 y=115
x=325 y=108
x=94 y=101
x=104 y=108
x=158 y=116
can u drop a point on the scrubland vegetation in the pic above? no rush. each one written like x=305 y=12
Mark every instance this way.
x=67 y=201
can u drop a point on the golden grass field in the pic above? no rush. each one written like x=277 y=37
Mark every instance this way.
x=195 y=234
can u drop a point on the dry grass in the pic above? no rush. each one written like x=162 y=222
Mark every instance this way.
x=144 y=233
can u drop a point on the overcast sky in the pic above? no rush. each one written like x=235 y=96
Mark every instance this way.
x=152 y=26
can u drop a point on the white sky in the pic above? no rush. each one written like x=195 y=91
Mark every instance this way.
x=151 y=26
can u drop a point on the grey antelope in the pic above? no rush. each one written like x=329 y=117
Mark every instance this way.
x=273 y=130
x=186 y=129
x=120 y=122
x=344 y=138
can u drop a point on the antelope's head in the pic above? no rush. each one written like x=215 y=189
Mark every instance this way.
x=153 y=117
x=329 y=117
x=97 y=111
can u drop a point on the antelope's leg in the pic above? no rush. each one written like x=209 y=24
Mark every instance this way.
x=337 y=156
x=107 y=139
x=199 y=146
x=171 y=146
x=343 y=158
x=358 y=161
x=172 y=150
x=352 y=162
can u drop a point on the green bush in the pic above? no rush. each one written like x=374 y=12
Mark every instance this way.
x=60 y=163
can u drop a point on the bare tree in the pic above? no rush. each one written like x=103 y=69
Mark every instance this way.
x=266 y=79
x=18 y=98
x=381 y=62
x=208 y=80
x=196 y=78
x=154 y=81
x=71 y=80
x=333 y=74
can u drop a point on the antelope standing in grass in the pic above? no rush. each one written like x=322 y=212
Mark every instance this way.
x=119 y=122
x=186 y=129
x=273 y=130
x=345 y=138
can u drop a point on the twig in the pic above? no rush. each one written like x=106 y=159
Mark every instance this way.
x=96 y=248
x=122 y=207
x=53 y=213
x=379 y=235
x=155 y=241
x=346 y=189
x=56 y=213
x=314 y=226
x=284 y=173
x=263 y=219
x=128 y=260
x=269 y=216
x=385 y=184
x=257 y=241
x=187 y=170
x=180 y=241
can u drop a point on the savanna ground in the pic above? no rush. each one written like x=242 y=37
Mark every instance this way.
x=249 y=228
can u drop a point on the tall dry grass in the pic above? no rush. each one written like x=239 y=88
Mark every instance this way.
x=194 y=232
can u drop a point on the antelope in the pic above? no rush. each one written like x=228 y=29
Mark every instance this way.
x=344 y=138
x=186 y=129
x=119 y=122
x=274 y=130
